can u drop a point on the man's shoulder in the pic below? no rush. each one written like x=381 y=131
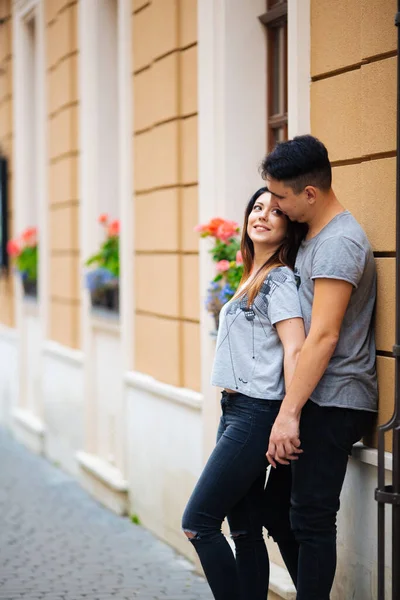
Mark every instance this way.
x=345 y=226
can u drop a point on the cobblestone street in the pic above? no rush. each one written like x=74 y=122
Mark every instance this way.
x=56 y=543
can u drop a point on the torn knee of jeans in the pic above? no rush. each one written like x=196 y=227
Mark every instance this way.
x=237 y=534
x=191 y=535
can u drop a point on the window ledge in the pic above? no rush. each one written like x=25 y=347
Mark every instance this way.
x=30 y=305
x=105 y=320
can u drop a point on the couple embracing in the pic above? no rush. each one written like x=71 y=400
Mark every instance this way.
x=295 y=357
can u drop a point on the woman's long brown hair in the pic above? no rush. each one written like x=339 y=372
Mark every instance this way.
x=285 y=255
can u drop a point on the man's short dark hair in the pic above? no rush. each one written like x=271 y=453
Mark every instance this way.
x=299 y=162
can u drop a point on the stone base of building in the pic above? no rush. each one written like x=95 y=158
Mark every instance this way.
x=280 y=585
x=104 y=482
x=29 y=430
x=273 y=596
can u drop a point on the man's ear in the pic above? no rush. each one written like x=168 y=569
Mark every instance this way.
x=311 y=194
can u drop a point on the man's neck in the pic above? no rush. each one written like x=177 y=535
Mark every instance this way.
x=327 y=209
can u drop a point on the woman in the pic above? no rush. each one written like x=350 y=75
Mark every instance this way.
x=260 y=335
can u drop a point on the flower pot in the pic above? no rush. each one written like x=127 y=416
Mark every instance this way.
x=30 y=287
x=106 y=297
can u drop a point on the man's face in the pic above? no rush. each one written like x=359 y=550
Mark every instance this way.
x=295 y=206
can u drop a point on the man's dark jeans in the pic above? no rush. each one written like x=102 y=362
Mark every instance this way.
x=232 y=484
x=327 y=435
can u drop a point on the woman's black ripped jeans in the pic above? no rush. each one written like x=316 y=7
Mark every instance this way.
x=232 y=485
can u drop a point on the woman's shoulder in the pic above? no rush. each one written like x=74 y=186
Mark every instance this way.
x=279 y=275
x=279 y=278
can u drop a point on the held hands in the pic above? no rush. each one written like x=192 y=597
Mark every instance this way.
x=284 y=441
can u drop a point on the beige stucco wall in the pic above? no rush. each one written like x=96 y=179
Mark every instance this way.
x=6 y=147
x=63 y=155
x=167 y=337
x=353 y=111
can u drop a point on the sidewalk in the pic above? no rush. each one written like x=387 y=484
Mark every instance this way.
x=56 y=543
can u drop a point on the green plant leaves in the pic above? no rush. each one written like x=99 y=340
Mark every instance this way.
x=107 y=257
x=27 y=262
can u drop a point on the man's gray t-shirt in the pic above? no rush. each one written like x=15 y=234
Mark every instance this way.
x=249 y=353
x=342 y=251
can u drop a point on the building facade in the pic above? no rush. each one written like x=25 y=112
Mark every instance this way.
x=158 y=113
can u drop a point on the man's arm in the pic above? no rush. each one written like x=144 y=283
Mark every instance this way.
x=331 y=298
x=292 y=335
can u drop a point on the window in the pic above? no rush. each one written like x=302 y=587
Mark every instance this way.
x=275 y=21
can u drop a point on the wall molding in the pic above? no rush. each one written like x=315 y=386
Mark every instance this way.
x=103 y=481
x=28 y=430
x=369 y=456
x=299 y=68
x=107 y=473
x=29 y=421
x=182 y=396
x=63 y=353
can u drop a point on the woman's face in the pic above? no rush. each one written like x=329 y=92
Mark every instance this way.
x=267 y=225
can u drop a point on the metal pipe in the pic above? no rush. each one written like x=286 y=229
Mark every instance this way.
x=396 y=415
x=390 y=494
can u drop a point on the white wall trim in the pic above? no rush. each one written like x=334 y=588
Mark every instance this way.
x=87 y=23
x=280 y=583
x=125 y=186
x=42 y=168
x=24 y=11
x=299 y=78
x=60 y=352
x=369 y=456
x=183 y=396
x=108 y=474
x=126 y=180
x=9 y=334
x=29 y=421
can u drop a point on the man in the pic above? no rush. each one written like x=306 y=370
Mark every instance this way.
x=332 y=399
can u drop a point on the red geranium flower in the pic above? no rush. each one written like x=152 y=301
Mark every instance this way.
x=227 y=230
x=113 y=228
x=13 y=248
x=214 y=225
x=103 y=219
x=223 y=265
x=29 y=236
